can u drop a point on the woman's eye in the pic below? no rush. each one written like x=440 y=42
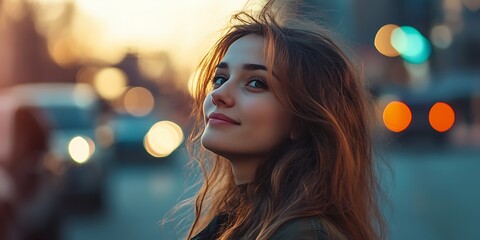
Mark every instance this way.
x=218 y=81
x=257 y=83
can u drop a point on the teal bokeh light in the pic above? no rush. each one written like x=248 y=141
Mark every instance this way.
x=411 y=44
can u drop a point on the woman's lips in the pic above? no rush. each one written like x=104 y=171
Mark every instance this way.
x=221 y=119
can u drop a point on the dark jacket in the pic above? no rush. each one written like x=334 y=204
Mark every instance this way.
x=308 y=228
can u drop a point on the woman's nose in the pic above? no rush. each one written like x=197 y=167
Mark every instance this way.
x=223 y=96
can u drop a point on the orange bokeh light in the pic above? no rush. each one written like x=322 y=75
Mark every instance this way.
x=397 y=116
x=441 y=117
x=383 y=40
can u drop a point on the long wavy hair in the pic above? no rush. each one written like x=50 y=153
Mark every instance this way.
x=327 y=170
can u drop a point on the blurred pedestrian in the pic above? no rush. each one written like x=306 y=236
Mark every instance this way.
x=282 y=135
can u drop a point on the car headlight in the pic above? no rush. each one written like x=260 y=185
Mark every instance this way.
x=81 y=149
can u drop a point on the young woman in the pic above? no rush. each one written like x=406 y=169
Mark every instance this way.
x=282 y=135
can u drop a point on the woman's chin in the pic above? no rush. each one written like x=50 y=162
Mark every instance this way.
x=214 y=145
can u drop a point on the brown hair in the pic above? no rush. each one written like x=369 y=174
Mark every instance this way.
x=326 y=171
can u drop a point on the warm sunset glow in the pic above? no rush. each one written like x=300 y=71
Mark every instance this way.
x=139 y=101
x=49 y=1
x=13 y=9
x=441 y=117
x=83 y=95
x=383 y=40
x=153 y=66
x=163 y=138
x=104 y=32
x=48 y=13
x=81 y=149
x=62 y=51
x=147 y=26
x=397 y=116
x=110 y=82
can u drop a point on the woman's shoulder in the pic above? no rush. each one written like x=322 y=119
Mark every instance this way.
x=305 y=228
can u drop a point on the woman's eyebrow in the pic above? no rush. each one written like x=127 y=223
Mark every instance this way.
x=222 y=65
x=252 y=67
x=246 y=66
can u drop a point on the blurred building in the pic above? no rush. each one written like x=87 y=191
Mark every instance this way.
x=25 y=57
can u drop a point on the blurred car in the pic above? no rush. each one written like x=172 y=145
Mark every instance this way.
x=28 y=190
x=129 y=133
x=459 y=90
x=71 y=111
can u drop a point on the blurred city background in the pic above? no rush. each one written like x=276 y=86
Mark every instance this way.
x=95 y=97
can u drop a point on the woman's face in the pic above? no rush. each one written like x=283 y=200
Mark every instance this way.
x=243 y=117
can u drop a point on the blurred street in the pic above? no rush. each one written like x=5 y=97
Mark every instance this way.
x=95 y=98
x=435 y=196
x=138 y=196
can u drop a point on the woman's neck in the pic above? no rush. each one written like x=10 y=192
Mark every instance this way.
x=244 y=170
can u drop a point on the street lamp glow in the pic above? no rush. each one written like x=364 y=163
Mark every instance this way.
x=383 y=40
x=138 y=101
x=81 y=149
x=163 y=138
x=110 y=82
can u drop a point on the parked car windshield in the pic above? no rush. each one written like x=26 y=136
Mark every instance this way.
x=70 y=117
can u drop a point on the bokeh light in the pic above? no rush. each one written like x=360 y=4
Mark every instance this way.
x=411 y=44
x=397 y=116
x=419 y=75
x=13 y=9
x=139 y=101
x=48 y=13
x=441 y=36
x=62 y=51
x=152 y=66
x=441 y=117
x=54 y=163
x=81 y=149
x=383 y=40
x=86 y=74
x=105 y=135
x=83 y=95
x=163 y=138
x=472 y=5
x=110 y=83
